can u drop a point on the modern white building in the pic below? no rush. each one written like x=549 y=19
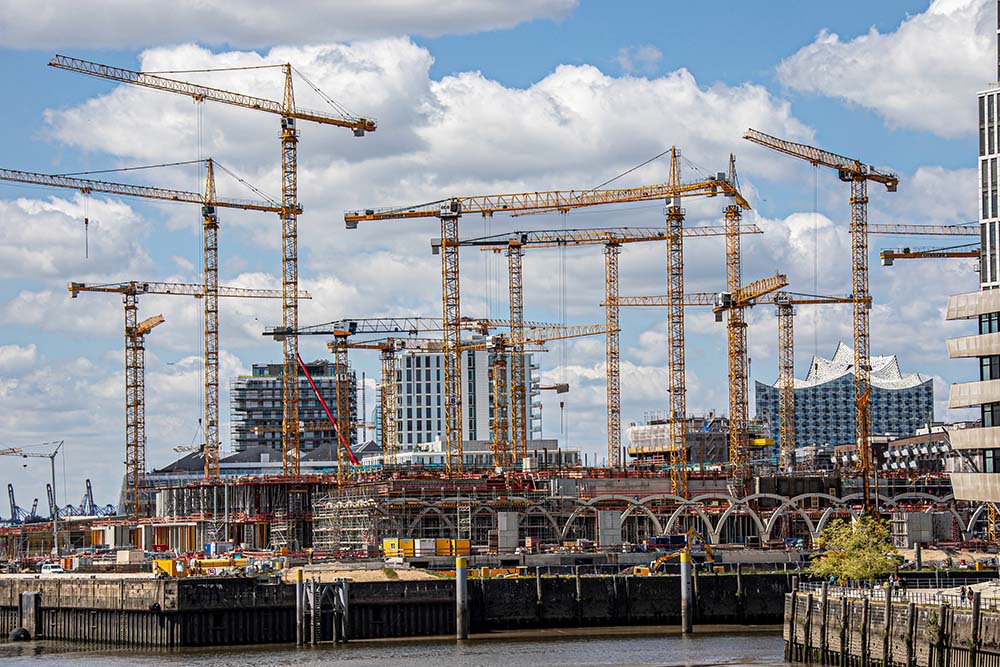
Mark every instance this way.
x=419 y=388
x=982 y=445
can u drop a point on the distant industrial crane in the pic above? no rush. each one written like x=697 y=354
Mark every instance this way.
x=612 y=238
x=290 y=208
x=449 y=211
x=54 y=507
x=135 y=332
x=209 y=201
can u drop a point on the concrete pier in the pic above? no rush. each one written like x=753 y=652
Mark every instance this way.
x=216 y=611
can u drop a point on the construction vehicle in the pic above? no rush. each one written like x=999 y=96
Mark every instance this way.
x=655 y=565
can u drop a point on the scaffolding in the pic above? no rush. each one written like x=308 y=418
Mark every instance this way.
x=344 y=525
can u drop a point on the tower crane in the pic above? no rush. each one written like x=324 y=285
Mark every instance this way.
x=505 y=450
x=209 y=201
x=449 y=211
x=288 y=212
x=342 y=330
x=612 y=238
x=135 y=332
x=857 y=174
x=968 y=251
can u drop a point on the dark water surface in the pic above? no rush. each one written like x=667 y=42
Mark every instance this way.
x=602 y=646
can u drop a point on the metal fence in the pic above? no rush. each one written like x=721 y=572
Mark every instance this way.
x=920 y=591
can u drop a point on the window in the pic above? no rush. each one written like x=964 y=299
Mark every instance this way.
x=989 y=367
x=982 y=137
x=991 y=460
x=989 y=323
x=990 y=414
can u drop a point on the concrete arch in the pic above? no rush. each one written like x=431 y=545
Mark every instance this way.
x=429 y=509
x=974 y=517
x=539 y=510
x=740 y=505
x=782 y=511
x=706 y=522
x=657 y=526
x=828 y=514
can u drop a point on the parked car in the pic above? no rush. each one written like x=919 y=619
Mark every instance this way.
x=52 y=568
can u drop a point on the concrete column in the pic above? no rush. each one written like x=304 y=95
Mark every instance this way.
x=461 y=598
x=917 y=556
x=887 y=628
x=911 y=631
x=299 y=607
x=687 y=618
x=824 y=601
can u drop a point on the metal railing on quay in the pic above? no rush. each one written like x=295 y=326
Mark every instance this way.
x=925 y=593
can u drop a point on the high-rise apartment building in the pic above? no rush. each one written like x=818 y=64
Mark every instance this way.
x=419 y=393
x=982 y=445
x=256 y=406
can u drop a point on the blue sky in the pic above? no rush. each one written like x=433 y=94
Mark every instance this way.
x=483 y=97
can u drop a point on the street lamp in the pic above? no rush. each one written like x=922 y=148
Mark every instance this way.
x=55 y=504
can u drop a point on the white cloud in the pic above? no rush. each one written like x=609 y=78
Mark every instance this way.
x=17 y=358
x=919 y=76
x=639 y=59
x=256 y=23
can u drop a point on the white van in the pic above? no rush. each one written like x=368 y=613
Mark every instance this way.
x=52 y=568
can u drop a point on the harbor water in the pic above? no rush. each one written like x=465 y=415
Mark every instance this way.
x=711 y=646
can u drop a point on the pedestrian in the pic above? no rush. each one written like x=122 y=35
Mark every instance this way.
x=961 y=598
x=971 y=595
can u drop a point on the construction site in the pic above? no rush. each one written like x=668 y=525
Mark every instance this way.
x=506 y=492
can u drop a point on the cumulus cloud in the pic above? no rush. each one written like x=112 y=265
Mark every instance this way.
x=919 y=76
x=639 y=59
x=131 y=24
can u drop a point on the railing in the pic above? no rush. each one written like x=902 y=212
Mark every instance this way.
x=928 y=592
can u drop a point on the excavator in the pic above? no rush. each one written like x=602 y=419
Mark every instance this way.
x=654 y=566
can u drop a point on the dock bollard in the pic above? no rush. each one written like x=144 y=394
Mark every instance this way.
x=461 y=598
x=687 y=619
x=299 y=606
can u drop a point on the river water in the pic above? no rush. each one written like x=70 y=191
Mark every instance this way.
x=591 y=647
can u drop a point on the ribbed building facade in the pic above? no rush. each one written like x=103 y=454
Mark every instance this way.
x=982 y=444
x=824 y=401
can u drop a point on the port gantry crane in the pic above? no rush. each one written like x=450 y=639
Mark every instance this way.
x=342 y=330
x=612 y=238
x=858 y=174
x=288 y=212
x=209 y=202
x=135 y=332
x=449 y=211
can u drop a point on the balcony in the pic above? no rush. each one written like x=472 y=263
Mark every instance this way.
x=975 y=438
x=972 y=304
x=971 y=394
x=974 y=346
x=976 y=486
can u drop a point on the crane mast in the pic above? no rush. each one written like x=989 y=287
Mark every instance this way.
x=857 y=174
x=450 y=211
x=288 y=210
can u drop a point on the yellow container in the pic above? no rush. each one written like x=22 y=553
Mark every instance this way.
x=442 y=546
x=170 y=567
x=406 y=548
x=390 y=547
x=461 y=547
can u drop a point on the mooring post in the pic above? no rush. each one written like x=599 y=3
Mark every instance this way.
x=976 y=620
x=918 y=558
x=911 y=631
x=739 y=579
x=299 y=607
x=807 y=642
x=865 y=626
x=687 y=619
x=461 y=598
x=887 y=628
x=845 y=627
x=824 y=595
x=942 y=660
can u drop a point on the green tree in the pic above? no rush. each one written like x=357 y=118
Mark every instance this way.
x=861 y=550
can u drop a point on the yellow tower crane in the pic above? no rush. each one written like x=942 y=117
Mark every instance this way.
x=135 y=430
x=968 y=251
x=506 y=451
x=612 y=238
x=857 y=174
x=289 y=210
x=342 y=330
x=209 y=201
x=449 y=211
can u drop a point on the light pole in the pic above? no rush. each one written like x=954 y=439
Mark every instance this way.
x=55 y=504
